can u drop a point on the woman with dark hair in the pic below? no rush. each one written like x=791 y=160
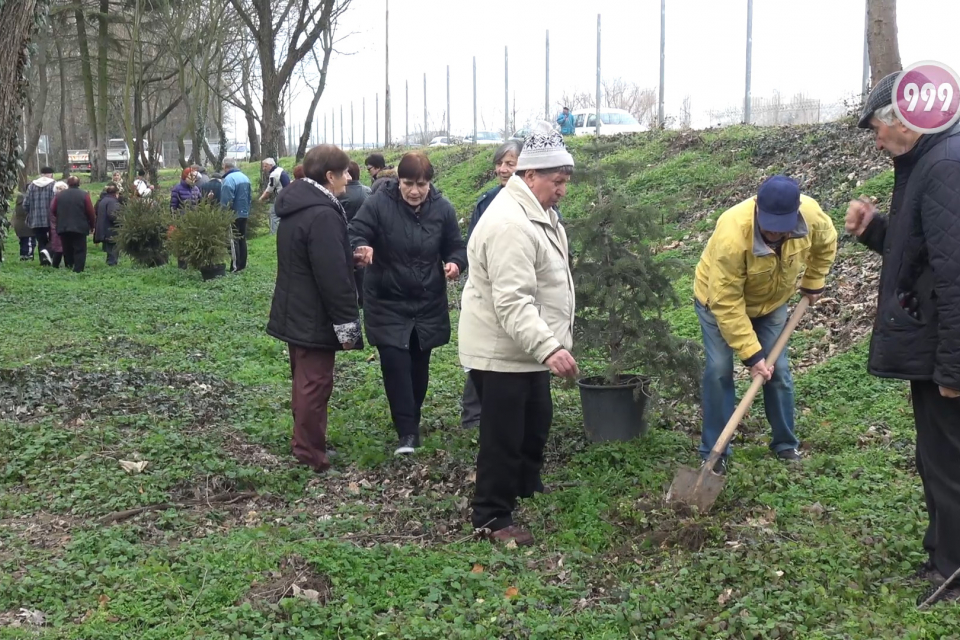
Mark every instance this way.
x=408 y=237
x=314 y=306
x=73 y=212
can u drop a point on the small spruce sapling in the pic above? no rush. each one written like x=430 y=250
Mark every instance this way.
x=623 y=287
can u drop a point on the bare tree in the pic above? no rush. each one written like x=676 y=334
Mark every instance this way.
x=297 y=23
x=686 y=114
x=326 y=44
x=641 y=102
x=882 y=44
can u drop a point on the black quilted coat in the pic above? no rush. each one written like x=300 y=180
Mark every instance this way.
x=920 y=244
x=405 y=287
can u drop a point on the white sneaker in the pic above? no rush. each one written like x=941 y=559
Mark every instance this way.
x=45 y=258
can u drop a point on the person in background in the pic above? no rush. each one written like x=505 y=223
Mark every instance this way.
x=277 y=180
x=408 y=237
x=56 y=245
x=516 y=328
x=352 y=199
x=566 y=122
x=142 y=188
x=211 y=190
x=236 y=194
x=24 y=233
x=75 y=219
x=202 y=177
x=379 y=171
x=116 y=179
x=105 y=230
x=37 y=205
x=747 y=274
x=186 y=192
x=314 y=308
x=916 y=332
x=504 y=166
x=298 y=172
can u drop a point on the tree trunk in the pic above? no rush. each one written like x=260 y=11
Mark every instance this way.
x=882 y=44
x=249 y=111
x=64 y=159
x=272 y=142
x=87 y=73
x=103 y=50
x=17 y=23
x=36 y=108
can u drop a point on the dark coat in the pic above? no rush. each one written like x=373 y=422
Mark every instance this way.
x=384 y=177
x=20 y=225
x=211 y=189
x=405 y=288
x=315 y=288
x=107 y=209
x=920 y=245
x=352 y=199
x=182 y=194
x=74 y=211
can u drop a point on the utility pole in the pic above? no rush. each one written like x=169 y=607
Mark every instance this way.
x=363 y=136
x=746 y=93
x=598 y=76
x=325 y=129
x=341 y=126
x=386 y=99
x=546 y=97
x=506 y=95
x=448 y=101
x=376 y=122
x=425 y=106
x=663 y=58
x=474 y=99
x=406 y=130
x=352 y=130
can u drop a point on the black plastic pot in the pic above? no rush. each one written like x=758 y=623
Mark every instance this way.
x=216 y=271
x=613 y=412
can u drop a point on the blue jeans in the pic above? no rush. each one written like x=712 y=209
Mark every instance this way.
x=718 y=393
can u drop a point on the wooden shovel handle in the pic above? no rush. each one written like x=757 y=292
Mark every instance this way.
x=751 y=393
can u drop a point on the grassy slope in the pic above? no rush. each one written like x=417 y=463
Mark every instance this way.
x=819 y=551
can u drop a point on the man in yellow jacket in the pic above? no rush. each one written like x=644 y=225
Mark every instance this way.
x=746 y=275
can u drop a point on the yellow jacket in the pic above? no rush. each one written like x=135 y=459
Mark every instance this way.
x=739 y=277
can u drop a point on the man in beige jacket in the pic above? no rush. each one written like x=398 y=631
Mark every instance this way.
x=516 y=328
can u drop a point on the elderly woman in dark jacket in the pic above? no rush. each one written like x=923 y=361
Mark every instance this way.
x=407 y=235
x=314 y=306
x=108 y=207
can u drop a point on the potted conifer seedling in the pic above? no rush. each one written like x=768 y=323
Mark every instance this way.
x=623 y=288
x=201 y=237
x=142 y=231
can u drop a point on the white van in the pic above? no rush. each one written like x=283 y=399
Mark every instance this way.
x=612 y=122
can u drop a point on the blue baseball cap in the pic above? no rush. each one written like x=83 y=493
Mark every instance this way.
x=778 y=204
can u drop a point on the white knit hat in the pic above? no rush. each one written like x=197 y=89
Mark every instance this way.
x=544 y=149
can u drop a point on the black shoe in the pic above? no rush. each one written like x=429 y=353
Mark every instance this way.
x=789 y=455
x=472 y=424
x=45 y=259
x=407 y=445
x=927 y=571
x=950 y=594
x=719 y=467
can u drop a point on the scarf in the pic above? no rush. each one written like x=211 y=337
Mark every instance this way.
x=329 y=194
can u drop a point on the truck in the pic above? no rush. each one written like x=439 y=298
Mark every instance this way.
x=118 y=157
x=79 y=160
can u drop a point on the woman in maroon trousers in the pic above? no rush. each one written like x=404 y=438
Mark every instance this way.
x=314 y=306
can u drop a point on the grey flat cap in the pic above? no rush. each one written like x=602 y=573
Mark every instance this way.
x=881 y=96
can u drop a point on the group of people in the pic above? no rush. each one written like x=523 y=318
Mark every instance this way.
x=517 y=308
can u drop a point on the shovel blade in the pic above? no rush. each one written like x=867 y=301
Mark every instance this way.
x=698 y=488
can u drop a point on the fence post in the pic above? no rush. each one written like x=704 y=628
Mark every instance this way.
x=598 y=76
x=386 y=99
x=448 y=102
x=376 y=122
x=424 y=106
x=746 y=95
x=474 y=99
x=325 y=128
x=506 y=95
x=546 y=95
x=363 y=136
x=663 y=58
x=352 y=130
x=341 y=126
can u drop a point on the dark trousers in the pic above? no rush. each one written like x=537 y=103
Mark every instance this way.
x=240 y=244
x=515 y=416
x=26 y=247
x=406 y=376
x=113 y=253
x=312 y=371
x=938 y=461
x=469 y=405
x=74 y=250
x=358 y=278
x=42 y=234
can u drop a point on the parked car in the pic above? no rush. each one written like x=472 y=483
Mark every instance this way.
x=612 y=122
x=484 y=137
x=520 y=134
x=440 y=141
x=239 y=152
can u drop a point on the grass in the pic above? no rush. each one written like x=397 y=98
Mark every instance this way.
x=154 y=364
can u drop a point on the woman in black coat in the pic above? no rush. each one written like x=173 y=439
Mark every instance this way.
x=408 y=236
x=314 y=306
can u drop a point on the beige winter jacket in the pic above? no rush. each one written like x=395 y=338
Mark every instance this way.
x=518 y=303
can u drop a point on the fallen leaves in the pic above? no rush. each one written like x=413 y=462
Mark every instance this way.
x=134 y=467
x=477 y=568
x=512 y=592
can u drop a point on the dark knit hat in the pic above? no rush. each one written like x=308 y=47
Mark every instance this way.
x=881 y=96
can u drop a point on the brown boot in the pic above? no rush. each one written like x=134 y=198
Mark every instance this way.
x=520 y=536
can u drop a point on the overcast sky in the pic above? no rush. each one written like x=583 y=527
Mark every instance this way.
x=813 y=47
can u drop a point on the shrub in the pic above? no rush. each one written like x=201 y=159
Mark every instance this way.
x=201 y=235
x=259 y=221
x=623 y=287
x=141 y=231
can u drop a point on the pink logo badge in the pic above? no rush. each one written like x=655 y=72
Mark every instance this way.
x=926 y=97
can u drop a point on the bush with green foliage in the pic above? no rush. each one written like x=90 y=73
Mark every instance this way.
x=258 y=223
x=142 y=230
x=201 y=235
x=623 y=287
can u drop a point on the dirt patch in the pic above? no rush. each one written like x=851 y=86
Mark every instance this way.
x=33 y=393
x=295 y=578
x=41 y=530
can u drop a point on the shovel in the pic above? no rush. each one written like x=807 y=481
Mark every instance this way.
x=701 y=487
